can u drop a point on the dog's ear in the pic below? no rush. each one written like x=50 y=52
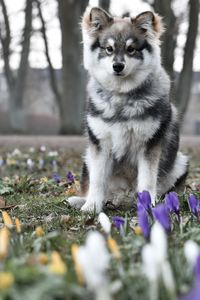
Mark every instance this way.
x=149 y=22
x=96 y=19
x=99 y=18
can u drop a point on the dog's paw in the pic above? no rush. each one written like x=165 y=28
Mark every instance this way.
x=91 y=207
x=76 y=202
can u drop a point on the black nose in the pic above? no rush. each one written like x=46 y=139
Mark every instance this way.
x=118 y=67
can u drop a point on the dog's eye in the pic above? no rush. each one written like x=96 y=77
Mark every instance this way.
x=109 y=50
x=130 y=50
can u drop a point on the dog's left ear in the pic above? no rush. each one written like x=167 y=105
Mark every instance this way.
x=96 y=19
x=148 y=21
x=99 y=18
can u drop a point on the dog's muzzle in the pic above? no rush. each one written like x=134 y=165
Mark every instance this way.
x=118 y=68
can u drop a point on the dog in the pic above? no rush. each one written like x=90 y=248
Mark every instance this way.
x=132 y=127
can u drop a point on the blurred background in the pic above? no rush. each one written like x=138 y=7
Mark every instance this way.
x=42 y=80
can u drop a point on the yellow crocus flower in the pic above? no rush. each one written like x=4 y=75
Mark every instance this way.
x=6 y=280
x=137 y=230
x=18 y=225
x=44 y=180
x=39 y=231
x=79 y=273
x=112 y=244
x=4 y=242
x=57 y=266
x=43 y=259
x=7 y=219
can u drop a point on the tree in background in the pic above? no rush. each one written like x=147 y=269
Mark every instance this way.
x=105 y=4
x=73 y=76
x=70 y=93
x=16 y=81
x=182 y=85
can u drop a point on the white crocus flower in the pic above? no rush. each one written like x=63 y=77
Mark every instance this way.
x=151 y=269
x=168 y=278
x=159 y=242
x=155 y=263
x=191 y=251
x=105 y=222
x=43 y=148
x=150 y=263
x=30 y=163
x=16 y=152
x=93 y=259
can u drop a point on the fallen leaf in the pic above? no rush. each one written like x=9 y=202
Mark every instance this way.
x=89 y=221
x=65 y=219
x=2 y=202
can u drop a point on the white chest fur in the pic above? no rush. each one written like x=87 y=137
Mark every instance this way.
x=123 y=136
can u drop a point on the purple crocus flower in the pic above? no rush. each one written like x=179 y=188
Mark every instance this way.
x=172 y=203
x=197 y=268
x=118 y=222
x=194 y=294
x=193 y=204
x=160 y=214
x=144 y=199
x=70 y=177
x=56 y=177
x=143 y=220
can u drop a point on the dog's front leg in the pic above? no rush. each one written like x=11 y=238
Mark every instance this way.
x=99 y=165
x=148 y=172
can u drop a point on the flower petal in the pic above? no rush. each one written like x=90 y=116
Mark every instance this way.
x=105 y=222
x=161 y=215
x=143 y=220
x=144 y=199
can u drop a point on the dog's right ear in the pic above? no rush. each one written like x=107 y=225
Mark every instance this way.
x=96 y=19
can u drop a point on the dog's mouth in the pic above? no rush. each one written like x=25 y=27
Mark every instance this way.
x=119 y=74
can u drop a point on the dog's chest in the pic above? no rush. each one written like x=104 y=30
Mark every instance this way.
x=123 y=138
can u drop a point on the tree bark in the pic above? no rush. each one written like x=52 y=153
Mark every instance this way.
x=185 y=79
x=16 y=84
x=17 y=113
x=73 y=76
x=105 y=4
x=169 y=39
x=5 y=38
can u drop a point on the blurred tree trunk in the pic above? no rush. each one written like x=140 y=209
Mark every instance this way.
x=17 y=113
x=184 y=84
x=16 y=84
x=182 y=87
x=5 y=37
x=169 y=38
x=105 y=4
x=73 y=76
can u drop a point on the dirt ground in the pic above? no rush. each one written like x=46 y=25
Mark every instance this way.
x=77 y=143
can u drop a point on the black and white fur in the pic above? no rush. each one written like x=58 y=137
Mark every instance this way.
x=133 y=129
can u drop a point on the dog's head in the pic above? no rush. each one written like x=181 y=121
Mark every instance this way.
x=119 y=49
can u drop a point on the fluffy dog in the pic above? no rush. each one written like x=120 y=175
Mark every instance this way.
x=132 y=128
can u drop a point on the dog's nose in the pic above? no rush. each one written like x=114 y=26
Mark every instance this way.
x=118 y=67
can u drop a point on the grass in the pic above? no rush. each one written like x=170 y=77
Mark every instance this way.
x=30 y=194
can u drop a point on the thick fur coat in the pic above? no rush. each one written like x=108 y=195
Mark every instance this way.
x=132 y=128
